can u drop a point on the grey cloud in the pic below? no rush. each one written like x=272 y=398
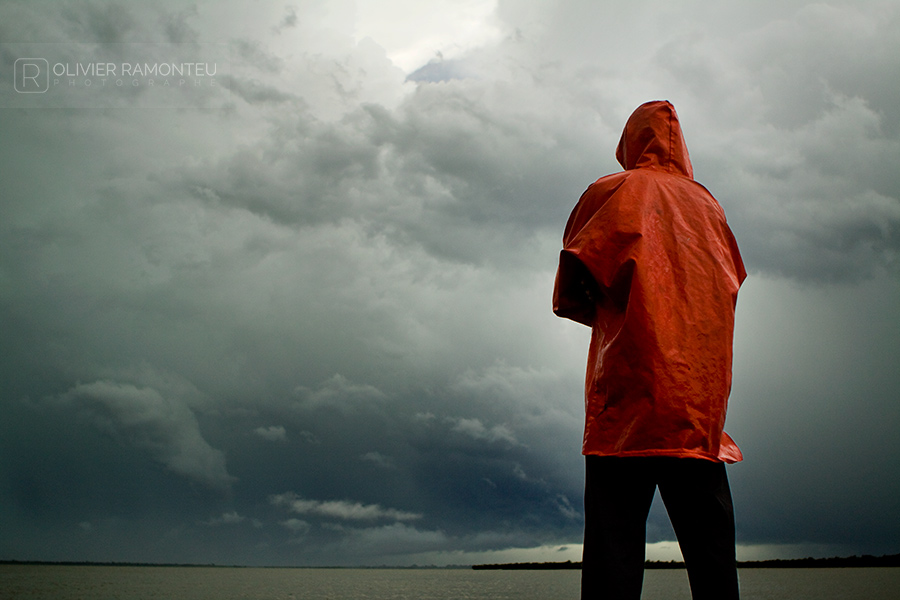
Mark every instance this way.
x=804 y=172
x=440 y=70
x=229 y=518
x=340 y=509
x=255 y=92
x=273 y=433
x=467 y=156
x=379 y=460
x=99 y=22
x=340 y=393
x=566 y=508
x=836 y=47
x=786 y=121
x=163 y=426
x=476 y=429
x=817 y=214
x=296 y=526
x=255 y=55
x=441 y=160
x=290 y=20
x=177 y=26
x=389 y=540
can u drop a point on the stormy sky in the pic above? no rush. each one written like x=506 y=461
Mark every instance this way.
x=296 y=310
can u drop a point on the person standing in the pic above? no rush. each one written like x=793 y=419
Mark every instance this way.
x=650 y=264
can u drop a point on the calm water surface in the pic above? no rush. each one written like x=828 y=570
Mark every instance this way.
x=200 y=583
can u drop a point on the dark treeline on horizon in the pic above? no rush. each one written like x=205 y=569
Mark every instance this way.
x=87 y=563
x=887 y=560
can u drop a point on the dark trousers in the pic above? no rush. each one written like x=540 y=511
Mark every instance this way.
x=617 y=498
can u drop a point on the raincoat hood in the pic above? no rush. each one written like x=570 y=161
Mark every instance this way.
x=652 y=139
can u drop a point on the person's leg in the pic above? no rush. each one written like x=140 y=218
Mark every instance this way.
x=698 y=500
x=617 y=497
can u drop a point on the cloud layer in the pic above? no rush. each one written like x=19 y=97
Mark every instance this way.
x=303 y=317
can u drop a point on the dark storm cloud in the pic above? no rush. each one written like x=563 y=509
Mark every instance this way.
x=98 y=22
x=163 y=426
x=443 y=466
x=823 y=204
x=312 y=326
x=461 y=156
x=784 y=113
x=815 y=410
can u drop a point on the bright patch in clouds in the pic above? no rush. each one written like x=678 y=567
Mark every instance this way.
x=273 y=433
x=340 y=509
x=413 y=32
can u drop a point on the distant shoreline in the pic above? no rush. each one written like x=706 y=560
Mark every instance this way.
x=887 y=560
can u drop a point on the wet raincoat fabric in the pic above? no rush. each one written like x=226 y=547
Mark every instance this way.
x=650 y=264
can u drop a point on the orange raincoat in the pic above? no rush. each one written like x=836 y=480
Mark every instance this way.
x=650 y=264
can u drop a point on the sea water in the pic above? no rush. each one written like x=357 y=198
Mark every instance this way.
x=53 y=582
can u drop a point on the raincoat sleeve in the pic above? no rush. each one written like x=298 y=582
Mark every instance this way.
x=575 y=290
x=595 y=264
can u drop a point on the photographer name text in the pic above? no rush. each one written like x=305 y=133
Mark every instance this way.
x=113 y=70
x=196 y=74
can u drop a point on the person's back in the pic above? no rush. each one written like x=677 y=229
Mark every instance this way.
x=649 y=263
